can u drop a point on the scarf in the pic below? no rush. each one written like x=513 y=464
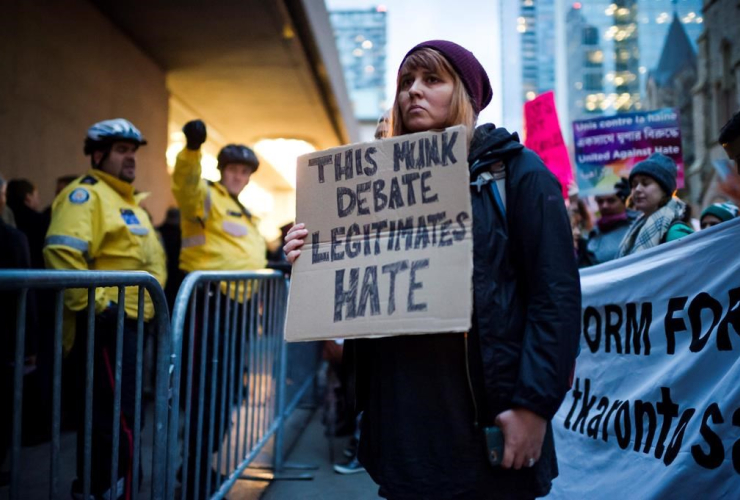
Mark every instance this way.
x=648 y=232
x=609 y=221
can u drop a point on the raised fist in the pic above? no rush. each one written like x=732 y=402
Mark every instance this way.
x=195 y=134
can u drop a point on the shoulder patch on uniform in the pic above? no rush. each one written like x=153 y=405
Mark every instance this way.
x=89 y=179
x=79 y=195
x=129 y=217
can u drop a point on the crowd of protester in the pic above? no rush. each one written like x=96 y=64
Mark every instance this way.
x=644 y=210
x=639 y=213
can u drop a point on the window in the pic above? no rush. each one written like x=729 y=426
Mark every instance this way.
x=590 y=35
x=592 y=82
x=594 y=58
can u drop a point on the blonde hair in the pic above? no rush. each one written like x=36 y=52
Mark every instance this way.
x=461 y=107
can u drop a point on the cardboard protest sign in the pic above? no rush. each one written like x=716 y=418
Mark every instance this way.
x=608 y=147
x=543 y=136
x=655 y=402
x=390 y=248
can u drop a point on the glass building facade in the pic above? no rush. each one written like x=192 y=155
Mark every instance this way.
x=536 y=23
x=361 y=41
x=630 y=38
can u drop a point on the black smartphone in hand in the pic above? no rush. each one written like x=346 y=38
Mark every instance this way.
x=494 y=445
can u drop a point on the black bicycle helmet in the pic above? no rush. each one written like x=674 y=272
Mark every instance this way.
x=238 y=153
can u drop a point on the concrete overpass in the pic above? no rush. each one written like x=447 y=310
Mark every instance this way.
x=254 y=70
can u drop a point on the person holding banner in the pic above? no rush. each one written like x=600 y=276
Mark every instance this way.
x=653 y=182
x=429 y=401
x=717 y=213
x=729 y=138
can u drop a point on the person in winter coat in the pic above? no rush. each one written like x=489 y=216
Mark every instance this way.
x=729 y=138
x=14 y=254
x=428 y=398
x=614 y=222
x=653 y=182
x=23 y=199
x=717 y=213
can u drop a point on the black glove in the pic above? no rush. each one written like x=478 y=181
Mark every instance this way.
x=195 y=134
x=109 y=315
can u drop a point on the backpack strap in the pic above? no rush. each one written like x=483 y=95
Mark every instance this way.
x=498 y=171
x=495 y=176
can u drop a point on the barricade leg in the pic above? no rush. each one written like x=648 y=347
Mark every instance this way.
x=110 y=417
x=224 y=411
x=107 y=376
x=234 y=360
x=187 y=363
x=15 y=452
x=239 y=449
x=86 y=467
x=214 y=382
x=56 y=412
x=275 y=301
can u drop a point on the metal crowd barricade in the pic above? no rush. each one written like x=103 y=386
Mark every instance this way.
x=23 y=281
x=228 y=340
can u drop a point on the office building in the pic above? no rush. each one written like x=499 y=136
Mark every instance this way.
x=361 y=41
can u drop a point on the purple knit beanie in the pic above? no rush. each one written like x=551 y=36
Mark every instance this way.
x=468 y=68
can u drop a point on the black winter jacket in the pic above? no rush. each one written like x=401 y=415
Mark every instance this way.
x=527 y=297
x=520 y=351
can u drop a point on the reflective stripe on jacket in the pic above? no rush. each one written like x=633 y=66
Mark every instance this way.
x=217 y=233
x=97 y=224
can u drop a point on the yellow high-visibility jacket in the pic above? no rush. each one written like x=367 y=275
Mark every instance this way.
x=218 y=234
x=97 y=224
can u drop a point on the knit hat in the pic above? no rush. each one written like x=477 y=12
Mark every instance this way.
x=622 y=189
x=661 y=168
x=723 y=211
x=468 y=68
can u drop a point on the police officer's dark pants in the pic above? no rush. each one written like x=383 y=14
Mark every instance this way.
x=6 y=402
x=104 y=359
x=223 y=349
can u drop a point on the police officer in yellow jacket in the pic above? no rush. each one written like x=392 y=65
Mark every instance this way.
x=97 y=223
x=218 y=233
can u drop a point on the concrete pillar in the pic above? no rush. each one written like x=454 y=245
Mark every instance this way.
x=64 y=66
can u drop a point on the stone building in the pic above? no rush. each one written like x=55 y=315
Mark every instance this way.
x=670 y=82
x=716 y=94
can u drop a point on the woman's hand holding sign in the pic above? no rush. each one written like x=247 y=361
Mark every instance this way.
x=294 y=241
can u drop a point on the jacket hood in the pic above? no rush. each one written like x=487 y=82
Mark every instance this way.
x=494 y=143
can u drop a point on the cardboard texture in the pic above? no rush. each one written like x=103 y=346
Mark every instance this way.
x=390 y=243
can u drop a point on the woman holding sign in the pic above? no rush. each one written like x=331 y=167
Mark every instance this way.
x=437 y=408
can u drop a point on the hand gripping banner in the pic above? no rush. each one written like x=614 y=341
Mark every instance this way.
x=655 y=404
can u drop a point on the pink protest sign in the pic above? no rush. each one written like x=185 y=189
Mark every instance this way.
x=544 y=137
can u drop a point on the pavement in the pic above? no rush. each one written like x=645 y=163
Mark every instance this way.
x=314 y=448
x=307 y=445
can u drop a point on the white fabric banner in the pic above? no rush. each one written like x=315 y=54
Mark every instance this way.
x=654 y=411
